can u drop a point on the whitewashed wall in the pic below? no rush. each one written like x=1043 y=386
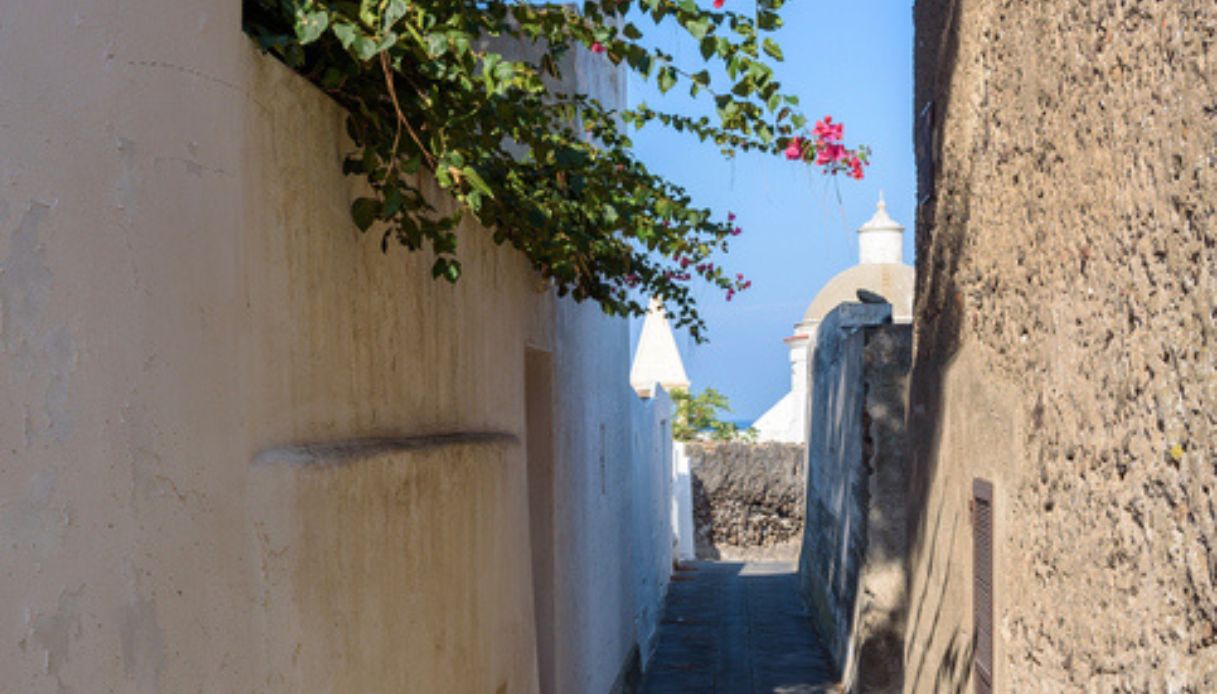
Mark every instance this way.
x=244 y=450
x=682 y=504
x=652 y=495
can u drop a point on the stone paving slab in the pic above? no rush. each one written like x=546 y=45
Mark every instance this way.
x=731 y=627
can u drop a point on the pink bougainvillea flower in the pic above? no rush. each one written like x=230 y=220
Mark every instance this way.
x=597 y=47
x=730 y=216
x=718 y=4
x=795 y=149
x=737 y=231
x=827 y=131
x=684 y=263
x=830 y=153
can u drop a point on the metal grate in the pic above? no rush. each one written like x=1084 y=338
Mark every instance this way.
x=982 y=582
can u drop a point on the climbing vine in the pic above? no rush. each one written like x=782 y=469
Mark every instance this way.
x=469 y=92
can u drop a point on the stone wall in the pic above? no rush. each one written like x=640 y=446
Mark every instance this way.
x=1066 y=342
x=747 y=499
x=852 y=568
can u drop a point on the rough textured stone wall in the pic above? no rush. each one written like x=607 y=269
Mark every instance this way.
x=852 y=565
x=1066 y=342
x=747 y=499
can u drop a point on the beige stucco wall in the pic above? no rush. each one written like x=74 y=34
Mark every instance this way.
x=183 y=303
x=1065 y=343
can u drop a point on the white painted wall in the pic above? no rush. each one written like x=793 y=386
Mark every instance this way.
x=610 y=581
x=652 y=496
x=185 y=306
x=786 y=420
x=881 y=246
x=682 y=504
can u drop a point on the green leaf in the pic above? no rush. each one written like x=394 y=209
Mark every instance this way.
x=698 y=28
x=447 y=269
x=364 y=48
x=346 y=33
x=394 y=10
x=311 y=25
x=476 y=181
x=393 y=203
x=437 y=44
x=666 y=79
x=772 y=49
x=364 y=211
x=368 y=12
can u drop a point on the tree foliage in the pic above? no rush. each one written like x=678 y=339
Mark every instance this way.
x=698 y=416
x=430 y=86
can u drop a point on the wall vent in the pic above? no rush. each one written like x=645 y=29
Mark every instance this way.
x=982 y=583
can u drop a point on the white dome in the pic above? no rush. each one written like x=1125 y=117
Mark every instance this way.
x=892 y=281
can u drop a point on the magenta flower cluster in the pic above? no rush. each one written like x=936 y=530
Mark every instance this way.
x=825 y=149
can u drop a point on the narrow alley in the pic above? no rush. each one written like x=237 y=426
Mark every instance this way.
x=733 y=627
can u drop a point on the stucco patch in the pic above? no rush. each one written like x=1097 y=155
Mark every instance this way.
x=25 y=279
x=143 y=644
x=31 y=521
x=61 y=352
x=54 y=633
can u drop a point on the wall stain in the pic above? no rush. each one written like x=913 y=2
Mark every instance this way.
x=25 y=280
x=55 y=632
x=143 y=645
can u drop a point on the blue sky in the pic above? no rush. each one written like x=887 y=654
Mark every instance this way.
x=852 y=60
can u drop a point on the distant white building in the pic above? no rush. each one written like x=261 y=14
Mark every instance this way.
x=657 y=360
x=880 y=269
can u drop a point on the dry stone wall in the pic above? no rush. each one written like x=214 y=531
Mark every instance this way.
x=1066 y=342
x=747 y=499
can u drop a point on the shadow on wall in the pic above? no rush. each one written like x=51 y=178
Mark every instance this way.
x=852 y=564
x=938 y=317
x=703 y=522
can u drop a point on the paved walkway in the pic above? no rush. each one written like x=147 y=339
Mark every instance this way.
x=736 y=628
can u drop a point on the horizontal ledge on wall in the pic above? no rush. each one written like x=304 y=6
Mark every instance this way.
x=356 y=450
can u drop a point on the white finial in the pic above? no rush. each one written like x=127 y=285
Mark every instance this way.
x=880 y=240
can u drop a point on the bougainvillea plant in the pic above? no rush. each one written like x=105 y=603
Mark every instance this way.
x=470 y=94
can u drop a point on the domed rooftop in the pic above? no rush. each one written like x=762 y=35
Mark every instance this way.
x=892 y=281
x=880 y=269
